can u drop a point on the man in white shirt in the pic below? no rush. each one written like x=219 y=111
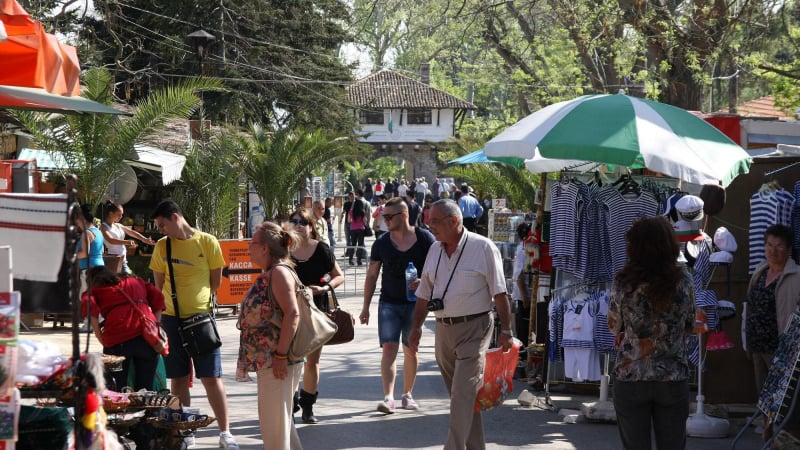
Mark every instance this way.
x=320 y=224
x=462 y=275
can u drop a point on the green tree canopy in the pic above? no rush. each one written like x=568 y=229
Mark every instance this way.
x=95 y=145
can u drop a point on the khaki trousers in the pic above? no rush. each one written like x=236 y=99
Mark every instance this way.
x=461 y=355
x=275 y=408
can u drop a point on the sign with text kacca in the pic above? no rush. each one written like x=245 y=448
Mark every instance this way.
x=238 y=274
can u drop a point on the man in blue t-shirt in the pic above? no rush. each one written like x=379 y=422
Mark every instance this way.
x=393 y=251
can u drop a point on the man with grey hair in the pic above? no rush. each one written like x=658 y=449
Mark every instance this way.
x=320 y=224
x=461 y=279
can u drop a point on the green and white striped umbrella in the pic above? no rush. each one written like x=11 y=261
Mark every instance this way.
x=623 y=130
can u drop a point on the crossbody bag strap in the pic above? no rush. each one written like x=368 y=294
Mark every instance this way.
x=172 y=279
x=133 y=304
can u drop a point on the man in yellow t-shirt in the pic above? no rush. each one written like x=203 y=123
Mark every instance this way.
x=197 y=263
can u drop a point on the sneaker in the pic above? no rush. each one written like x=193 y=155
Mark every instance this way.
x=386 y=406
x=227 y=442
x=188 y=442
x=409 y=403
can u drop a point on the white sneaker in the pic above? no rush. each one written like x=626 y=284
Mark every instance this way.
x=227 y=442
x=188 y=442
x=386 y=406
x=409 y=403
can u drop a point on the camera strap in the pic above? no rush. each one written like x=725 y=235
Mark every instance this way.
x=436 y=272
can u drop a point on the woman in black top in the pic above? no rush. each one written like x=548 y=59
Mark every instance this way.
x=317 y=268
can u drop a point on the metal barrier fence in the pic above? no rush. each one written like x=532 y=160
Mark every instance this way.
x=353 y=275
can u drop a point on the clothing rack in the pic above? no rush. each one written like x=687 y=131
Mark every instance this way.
x=772 y=172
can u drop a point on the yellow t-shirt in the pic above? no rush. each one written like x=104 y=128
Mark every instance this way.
x=193 y=260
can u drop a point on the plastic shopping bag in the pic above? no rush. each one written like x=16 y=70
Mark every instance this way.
x=498 y=376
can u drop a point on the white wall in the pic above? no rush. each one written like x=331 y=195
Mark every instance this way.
x=406 y=133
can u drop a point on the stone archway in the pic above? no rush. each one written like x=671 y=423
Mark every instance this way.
x=420 y=159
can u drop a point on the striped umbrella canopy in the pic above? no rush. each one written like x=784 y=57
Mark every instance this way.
x=626 y=131
x=479 y=157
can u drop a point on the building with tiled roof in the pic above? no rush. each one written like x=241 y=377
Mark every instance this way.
x=762 y=108
x=394 y=108
x=404 y=118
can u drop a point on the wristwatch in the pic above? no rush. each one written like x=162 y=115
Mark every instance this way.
x=508 y=332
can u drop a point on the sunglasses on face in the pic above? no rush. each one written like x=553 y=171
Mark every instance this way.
x=389 y=216
x=303 y=222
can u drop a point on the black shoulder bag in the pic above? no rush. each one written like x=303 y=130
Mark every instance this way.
x=199 y=333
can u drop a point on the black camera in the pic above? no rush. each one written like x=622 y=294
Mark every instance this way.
x=435 y=304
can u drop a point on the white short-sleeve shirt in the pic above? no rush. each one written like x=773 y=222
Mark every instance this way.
x=476 y=277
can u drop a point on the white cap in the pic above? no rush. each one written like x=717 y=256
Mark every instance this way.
x=721 y=257
x=724 y=240
x=690 y=207
x=726 y=309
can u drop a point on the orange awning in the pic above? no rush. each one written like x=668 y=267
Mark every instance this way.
x=38 y=59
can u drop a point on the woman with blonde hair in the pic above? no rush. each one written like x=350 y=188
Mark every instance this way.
x=263 y=346
x=317 y=268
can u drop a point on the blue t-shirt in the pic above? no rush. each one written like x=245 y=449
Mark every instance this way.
x=394 y=263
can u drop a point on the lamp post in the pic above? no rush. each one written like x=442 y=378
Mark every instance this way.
x=200 y=41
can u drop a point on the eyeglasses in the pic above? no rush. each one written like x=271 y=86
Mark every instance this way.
x=302 y=222
x=390 y=216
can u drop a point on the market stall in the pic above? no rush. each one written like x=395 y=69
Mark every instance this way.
x=608 y=135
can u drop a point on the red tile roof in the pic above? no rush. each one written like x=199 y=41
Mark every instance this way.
x=389 y=89
x=763 y=107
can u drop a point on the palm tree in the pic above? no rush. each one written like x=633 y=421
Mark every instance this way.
x=278 y=163
x=212 y=183
x=94 y=146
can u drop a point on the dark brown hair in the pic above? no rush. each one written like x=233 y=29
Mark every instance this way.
x=306 y=214
x=652 y=254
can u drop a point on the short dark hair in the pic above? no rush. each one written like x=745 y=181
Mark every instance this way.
x=781 y=232
x=359 y=193
x=465 y=188
x=166 y=209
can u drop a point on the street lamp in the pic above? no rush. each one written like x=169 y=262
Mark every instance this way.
x=200 y=41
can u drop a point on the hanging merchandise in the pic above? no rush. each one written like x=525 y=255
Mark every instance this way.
x=771 y=205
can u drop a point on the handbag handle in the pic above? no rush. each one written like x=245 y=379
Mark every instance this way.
x=333 y=301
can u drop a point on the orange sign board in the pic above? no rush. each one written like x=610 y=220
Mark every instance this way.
x=238 y=274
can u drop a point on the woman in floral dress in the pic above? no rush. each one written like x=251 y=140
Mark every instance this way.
x=263 y=347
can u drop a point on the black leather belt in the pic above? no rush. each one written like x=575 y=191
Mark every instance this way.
x=460 y=319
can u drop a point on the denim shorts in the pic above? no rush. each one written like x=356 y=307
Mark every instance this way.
x=177 y=362
x=395 y=319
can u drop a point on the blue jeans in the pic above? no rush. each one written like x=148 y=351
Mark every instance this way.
x=394 y=321
x=660 y=406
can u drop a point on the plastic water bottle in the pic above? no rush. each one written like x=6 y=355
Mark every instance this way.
x=411 y=275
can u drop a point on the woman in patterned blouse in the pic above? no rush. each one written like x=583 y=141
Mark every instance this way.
x=263 y=346
x=772 y=296
x=651 y=313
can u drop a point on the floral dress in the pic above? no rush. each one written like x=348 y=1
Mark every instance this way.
x=652 y=347
x=259 y=337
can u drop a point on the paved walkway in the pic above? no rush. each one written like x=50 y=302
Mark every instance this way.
x=350 y=388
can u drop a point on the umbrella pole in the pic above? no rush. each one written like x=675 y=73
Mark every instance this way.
x=535 y=288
